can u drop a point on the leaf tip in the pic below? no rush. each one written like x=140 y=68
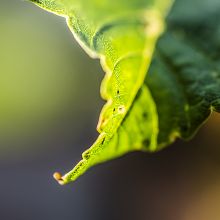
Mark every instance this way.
x=58 y=177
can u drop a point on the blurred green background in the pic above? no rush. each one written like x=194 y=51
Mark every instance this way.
x=49 y=107
x=46 y=79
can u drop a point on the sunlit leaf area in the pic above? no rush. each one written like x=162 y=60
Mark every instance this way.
x=50 y=104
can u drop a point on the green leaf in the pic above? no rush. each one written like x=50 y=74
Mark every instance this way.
x=122 y=34
x=184 y=77
x=180 y=91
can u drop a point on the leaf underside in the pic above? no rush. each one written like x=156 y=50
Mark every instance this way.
x=184 y=77
x=181 y=89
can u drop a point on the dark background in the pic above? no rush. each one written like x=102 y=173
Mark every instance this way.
x=49 y=107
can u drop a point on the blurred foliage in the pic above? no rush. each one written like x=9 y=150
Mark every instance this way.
x=40 y=73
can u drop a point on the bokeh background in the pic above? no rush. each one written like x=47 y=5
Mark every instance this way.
x=49 y=107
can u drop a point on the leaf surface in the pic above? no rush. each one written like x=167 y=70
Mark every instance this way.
x=122 y=34
x=184 y=77
x=182 y=87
